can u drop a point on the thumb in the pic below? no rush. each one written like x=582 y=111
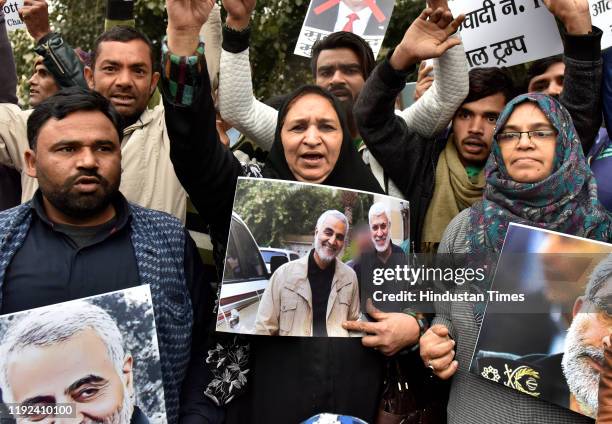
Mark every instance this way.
x=448 y=44
x=439 y=330
x=373 y=311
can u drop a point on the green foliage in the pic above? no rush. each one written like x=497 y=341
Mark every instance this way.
x=273 y=211
x=276 y=26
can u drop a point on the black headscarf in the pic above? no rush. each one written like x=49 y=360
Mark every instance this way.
x=349 y=172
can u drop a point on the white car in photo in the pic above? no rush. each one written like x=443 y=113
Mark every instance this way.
x=269 y=252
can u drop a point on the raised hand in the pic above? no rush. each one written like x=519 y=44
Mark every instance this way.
x=239 y=13
x=35 y=15
x=434 y=4
x=188 y=14
x=185 y=18
x=424 y=80
x=574 y=14
x=426 y=38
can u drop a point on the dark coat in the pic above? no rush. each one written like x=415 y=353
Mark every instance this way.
x=407 y=158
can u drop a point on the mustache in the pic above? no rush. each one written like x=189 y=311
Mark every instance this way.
x=85 y=173
x=340 y=89
x=591 y=352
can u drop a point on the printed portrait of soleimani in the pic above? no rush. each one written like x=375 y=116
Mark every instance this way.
x=73 y=355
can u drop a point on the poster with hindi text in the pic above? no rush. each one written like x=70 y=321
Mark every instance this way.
x=506 y=32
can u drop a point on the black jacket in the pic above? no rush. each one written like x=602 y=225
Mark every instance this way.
x=290 y=378
x=409 y=159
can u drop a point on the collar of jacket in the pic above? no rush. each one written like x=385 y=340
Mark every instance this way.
x=145 y=119
x=297 y=278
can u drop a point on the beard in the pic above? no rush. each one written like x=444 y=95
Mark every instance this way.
x=582 y=379
x=323 y=251
x=124 y=414
x=74 y=204
x=384 y=247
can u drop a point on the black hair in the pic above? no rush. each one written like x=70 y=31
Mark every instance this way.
x=67 y=101
x=276 y=101
x=538 y=67
x=348 y=40
x=122 y=34
x=486 y=82
x=304 y=90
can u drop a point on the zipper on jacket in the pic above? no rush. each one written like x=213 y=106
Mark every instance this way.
x=57 y=63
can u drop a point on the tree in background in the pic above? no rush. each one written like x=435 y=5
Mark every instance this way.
x=276 y=26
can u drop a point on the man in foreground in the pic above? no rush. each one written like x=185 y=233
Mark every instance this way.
x=58 y=246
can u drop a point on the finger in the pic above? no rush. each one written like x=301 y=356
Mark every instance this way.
x=436 y=15
x=425 y=14
x=607 y=341
x=371 y=341
x=447 y=18
x=439 y=330
x=425 y=83
x=28 y=2
x=373 y=311
x=424 y=70
x=455 y=24
x=439 y=350
x=448 y=44
x=448 y=372
x=24 y=12
x=365 y=327
x=442 y=363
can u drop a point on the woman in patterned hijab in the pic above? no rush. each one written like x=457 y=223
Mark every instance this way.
x=537 y=175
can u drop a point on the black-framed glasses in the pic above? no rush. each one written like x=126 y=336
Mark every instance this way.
x=534 y=136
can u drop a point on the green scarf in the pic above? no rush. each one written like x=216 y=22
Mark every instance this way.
x=453 y=192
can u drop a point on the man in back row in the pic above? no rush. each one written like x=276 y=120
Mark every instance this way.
x=340 y=63
x=122 y=70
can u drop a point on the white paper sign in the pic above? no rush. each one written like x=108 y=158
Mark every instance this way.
x=506 y=32
x=601 y=17
x=367 y=18
x=11 y=17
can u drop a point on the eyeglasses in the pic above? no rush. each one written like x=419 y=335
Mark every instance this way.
x=534 y=136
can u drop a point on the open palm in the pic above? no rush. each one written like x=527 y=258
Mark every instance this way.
x=429 y=38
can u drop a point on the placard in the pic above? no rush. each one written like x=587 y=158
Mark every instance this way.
x=547 y=345
x=89 y=360
x=303 y=258
x=367 y=18
x=506 y=32
x=11 y=15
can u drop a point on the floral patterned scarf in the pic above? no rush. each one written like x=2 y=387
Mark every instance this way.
x=565 y=201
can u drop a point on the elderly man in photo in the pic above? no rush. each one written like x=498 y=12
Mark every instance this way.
x=569 y=378
x=385 y=254
x=583 y=358
x=314 y=295
x=73 y=355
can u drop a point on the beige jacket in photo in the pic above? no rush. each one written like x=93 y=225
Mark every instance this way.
x=147 y=177
x=286 y=306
